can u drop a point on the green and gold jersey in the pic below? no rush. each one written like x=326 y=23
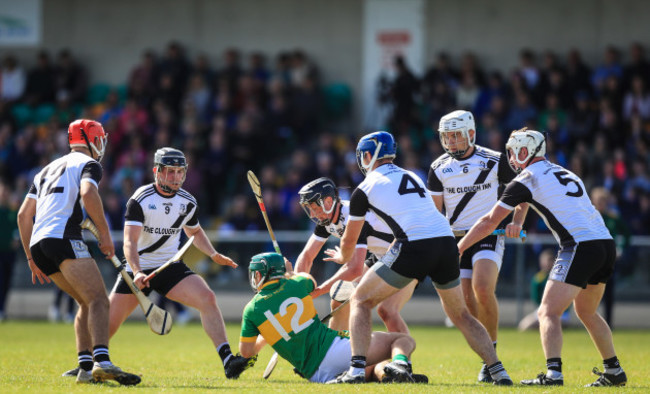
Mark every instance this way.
x=283 y=313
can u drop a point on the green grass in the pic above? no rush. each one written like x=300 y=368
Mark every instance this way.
x=34 y=354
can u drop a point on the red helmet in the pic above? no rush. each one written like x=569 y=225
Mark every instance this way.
x=88 y=134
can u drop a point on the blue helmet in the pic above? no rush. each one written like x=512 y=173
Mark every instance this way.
x=380 y=144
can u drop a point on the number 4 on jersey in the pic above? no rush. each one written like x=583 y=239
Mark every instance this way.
x=405 y=186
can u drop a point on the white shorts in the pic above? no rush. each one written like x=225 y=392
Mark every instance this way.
x=336 y=360
x=490 y=248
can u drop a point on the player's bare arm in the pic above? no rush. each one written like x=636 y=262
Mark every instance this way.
x=93 y=205
x=348 y=272
x=130 y=249
x=438 y=200
x=514 y=229
x=25 y=226
x=348 y=242
x=202 y=243
x=484 y=227
x=306 y=258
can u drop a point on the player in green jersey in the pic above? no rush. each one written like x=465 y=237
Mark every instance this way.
x=283 y=314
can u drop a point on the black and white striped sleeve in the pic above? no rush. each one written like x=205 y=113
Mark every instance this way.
x=92 y=172
x=194 y=220
x=515 y=194
x=32 y=193
x=433 y=183
x=134 y=215
x=359 y=205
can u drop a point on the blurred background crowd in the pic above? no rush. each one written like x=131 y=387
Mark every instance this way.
x=270 y=112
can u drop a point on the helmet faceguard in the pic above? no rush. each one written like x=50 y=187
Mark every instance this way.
x=454 y=127
x=89 y=134
x=169 y=158
x=315 y=192
x=269 y=265
x=380 y=145
x=533 y=141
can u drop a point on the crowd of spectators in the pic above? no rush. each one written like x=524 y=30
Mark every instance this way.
x=268 y=113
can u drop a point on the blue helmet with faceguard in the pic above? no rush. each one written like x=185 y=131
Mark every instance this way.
x=380 y=145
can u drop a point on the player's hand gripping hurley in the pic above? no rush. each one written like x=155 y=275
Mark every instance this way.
x=175 y=258
x=159 y=320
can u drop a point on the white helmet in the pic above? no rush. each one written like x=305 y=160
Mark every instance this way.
x=532 y=140
x=457 y=121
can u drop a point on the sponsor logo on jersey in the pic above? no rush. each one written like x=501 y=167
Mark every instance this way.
x=152 y=206
x=468 y=189
x=168 y=204
x=161 y=230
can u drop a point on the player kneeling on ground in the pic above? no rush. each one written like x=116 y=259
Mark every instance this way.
x=283 y=313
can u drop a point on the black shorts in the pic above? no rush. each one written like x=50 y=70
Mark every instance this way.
x=49 y=253
x=371 y=260
x=433 y=257
x=162 y=283
x=588 y=262
x=490 y=247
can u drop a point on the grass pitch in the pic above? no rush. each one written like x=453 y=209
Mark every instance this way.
x=34 y=354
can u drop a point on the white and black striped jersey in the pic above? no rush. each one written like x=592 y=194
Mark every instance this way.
x=59 y=210
x=162 y=219
x=400 y=199
x=470 y=186
x=560 y=198
x=376 y=236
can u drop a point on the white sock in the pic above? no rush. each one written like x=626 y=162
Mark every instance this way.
x=353 y=371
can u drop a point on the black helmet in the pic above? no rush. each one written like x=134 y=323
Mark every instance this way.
x=315 y=192
x=168 y=157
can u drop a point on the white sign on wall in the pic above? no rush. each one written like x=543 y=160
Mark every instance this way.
x=391 y=28
x=20 y=22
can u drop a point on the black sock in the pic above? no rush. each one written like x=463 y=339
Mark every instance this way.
x=358 y=362
x=100 y=354
x=611 y=363
x=554 y=364
x=85 y=360
x=496 y=368
x=224 y=352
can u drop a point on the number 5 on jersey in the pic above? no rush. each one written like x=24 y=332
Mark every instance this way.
x=294 y=316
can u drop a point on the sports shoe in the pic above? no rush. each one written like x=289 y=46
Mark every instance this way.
x=398 y=372
x=71 y=373
x=345 y=377
x=420 y=378
x=85 y=376
x=113 y=372
x=543 y=380
x=238 y=364
x=502 y=382
x=484 y=375
x=417 y=378
x=606 y=379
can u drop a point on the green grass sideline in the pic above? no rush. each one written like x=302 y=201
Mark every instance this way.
x=34 y=354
